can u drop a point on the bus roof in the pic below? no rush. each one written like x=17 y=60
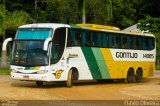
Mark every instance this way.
x=96 y=27
x=44 y=25
x=110 y=29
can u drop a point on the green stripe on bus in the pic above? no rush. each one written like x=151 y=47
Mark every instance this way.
x=92 y=63
x=101 y=63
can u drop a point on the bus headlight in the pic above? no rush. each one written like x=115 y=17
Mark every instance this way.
x=14 y=71
x=42 y=71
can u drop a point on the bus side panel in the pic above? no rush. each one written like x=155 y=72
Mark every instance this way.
x=96 y=63
x=126 y=59
x=115 y=69
x=78 y=61
x=102 y=65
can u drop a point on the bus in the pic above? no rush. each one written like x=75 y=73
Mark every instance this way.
x=50 y=52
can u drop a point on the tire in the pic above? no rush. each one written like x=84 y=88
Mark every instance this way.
x=75 y=75
x=130 y=76
x=139 y=75
x=70 y=79
x=39 y=83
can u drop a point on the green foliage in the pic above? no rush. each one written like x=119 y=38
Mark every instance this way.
x=152 y=25
x=148 y=7
x=149 y=23
x=123 y=13
x=2 y=18
x=120 y=13
x=4 y=71
x=17 y=18
x=157 y=67
x=11 y=20
x=157 y=42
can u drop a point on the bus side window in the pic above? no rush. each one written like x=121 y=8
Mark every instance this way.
x=112 y=41
x=78 y=38
x=125 y=44
x=145 y=44
x=151 y=43
x=105 y=40
x=94 y=44
x=88 y=40
x=137 y=43
x=74 y=37
x=118 y=41
x=131 y=44
x=71 y=38
x=58 y=44
x=99 y=39
x=83 y=38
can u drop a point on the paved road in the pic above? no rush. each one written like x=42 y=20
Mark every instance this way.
x=157 y=74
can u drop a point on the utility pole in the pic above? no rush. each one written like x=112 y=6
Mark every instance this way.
x=83 y=13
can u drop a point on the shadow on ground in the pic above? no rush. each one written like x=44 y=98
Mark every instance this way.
x=30 y=84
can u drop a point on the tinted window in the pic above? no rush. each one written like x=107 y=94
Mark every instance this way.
x=58 y=44
x=86 y=38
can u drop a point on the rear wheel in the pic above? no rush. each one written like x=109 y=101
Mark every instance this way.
x=130 y=76
x=39 y=83
x=139 y=75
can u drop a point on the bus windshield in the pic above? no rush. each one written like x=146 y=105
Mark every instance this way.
x=34 y=33
x=29 y=53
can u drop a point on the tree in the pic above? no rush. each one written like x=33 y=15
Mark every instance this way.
x=123 y=13
x=152 y=25
x=149 y=23
x=147 y=7
x=11 y=21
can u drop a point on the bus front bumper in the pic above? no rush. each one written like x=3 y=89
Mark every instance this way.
x=30 y=77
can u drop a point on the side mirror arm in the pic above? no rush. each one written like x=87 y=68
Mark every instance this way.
x=4 y=46
x=46 y=42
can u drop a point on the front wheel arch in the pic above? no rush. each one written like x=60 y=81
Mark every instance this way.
x=73 y=75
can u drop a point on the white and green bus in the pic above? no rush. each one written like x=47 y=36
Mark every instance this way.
x=58 y=52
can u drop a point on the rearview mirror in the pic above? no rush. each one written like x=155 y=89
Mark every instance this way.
x=4 y=46
x=46 y=42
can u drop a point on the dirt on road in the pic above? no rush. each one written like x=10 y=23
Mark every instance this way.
x=10 y=89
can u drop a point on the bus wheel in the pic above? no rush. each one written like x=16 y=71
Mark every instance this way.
x=39 y=83
x=70 y=79
x=130 y=76
x=139 y=75
x=75 y=75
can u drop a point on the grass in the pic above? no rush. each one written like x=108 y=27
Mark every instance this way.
x=158 y=67
x=8 y=58
x=4 y=71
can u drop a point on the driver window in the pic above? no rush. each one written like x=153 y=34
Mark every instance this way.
x=58 y=44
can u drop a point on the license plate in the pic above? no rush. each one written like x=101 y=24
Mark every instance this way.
x=25 y=77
